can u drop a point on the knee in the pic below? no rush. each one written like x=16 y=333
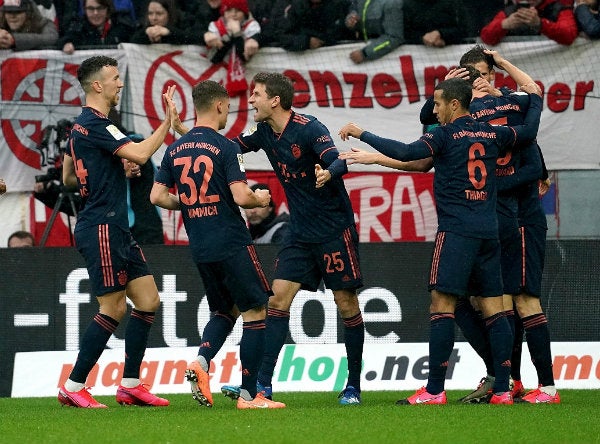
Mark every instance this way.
x=527 y=305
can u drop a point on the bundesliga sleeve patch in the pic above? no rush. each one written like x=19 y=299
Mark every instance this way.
x=241 y=162
x=250 y=131
x=115 y=132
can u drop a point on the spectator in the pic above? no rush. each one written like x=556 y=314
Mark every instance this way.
x=163 y=24
x=21 y=239
x=2 y=187
x=264 y=224
x=379 y=23
x=475 y=14
x=551 y=18
x=587 y=17
x=100 y=26
x=232 y=37
x=267 y=13
x=432 y=23
x=200 y=14
x=23 y=28
x=311 y=24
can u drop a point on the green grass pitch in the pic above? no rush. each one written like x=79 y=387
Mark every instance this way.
x=313 y=417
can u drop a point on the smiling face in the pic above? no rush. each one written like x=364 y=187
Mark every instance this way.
x=157 y=14
x=15 y=19
x=96 y=13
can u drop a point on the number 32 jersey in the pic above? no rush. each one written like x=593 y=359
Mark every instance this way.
x=202 y=164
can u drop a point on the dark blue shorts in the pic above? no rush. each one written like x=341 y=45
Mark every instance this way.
x=112 y=257
x=533 y=241
x=335 y=262
x=464 y=266
x=238 y=280
x=510 y=256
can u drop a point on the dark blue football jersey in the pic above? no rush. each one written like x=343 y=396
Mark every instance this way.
x=202 y=164
x=516 y=167
x=93 y=144
x=316 y=214
x=464 y=157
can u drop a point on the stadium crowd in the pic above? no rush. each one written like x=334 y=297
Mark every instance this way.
x=295 y=25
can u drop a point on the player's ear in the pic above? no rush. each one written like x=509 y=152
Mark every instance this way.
x=275 y=101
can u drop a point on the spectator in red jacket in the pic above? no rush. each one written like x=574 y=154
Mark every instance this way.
x=552 y=18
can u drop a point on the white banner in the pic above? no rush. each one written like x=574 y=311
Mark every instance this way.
x=302 y=368
x=386 y=95
x=39 y=88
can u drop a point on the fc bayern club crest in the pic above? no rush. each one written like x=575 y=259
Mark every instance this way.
x=296 y=152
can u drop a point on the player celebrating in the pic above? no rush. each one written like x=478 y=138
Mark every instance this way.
x=114 y=260
x=463 y=152
x=210 y=177
x=322 y=243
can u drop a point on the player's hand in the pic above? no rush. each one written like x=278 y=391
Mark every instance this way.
x=461 y=73
x=350 y=129
x=2 y=186
x=175 y=120
x=323 y=176
x=544 y=186
x=357 y=155
x=132 y=169
x=263 y=196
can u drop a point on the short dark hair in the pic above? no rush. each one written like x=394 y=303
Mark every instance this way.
x=456 y=88
x=476 y=55
x=21 y=235
x=276 y=84
x=206 y=92
x=474 y=73
x=108 y=4
x=91 y=67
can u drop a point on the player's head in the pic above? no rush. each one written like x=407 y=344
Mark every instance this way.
x=100 y=75
x=474 y=73
x=483 y=62
x=451 y=99
x=210 y=96
x=277 y=85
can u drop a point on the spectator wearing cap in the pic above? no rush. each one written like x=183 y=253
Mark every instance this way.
x=265 y=226
x=231 y=39
x=23 y=28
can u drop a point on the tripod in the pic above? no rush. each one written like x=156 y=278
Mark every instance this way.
x=69 y=195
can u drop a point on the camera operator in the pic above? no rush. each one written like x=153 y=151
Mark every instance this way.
x=48 y=186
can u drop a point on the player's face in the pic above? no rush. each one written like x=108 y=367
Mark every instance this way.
x=487 y=73
x=262 y=104
x=111 y=84
x=442 y=109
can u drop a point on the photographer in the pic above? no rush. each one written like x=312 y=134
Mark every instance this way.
x=48 y=186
